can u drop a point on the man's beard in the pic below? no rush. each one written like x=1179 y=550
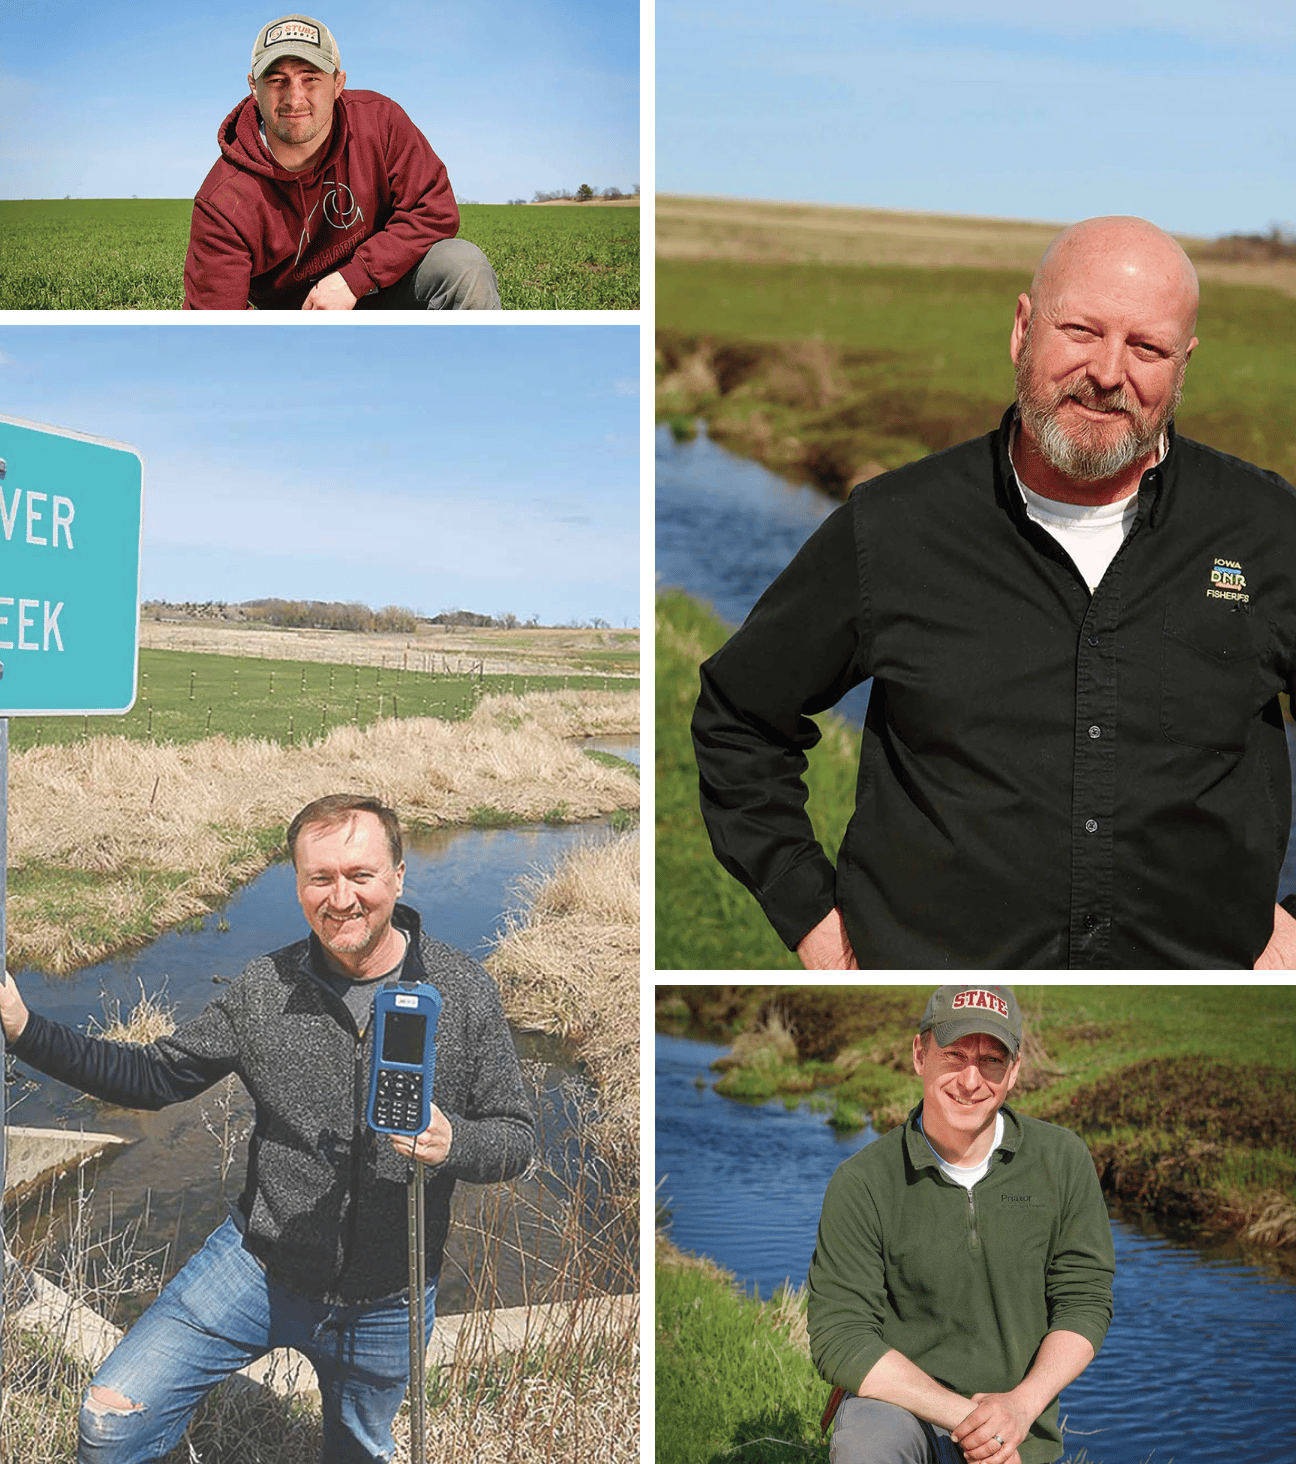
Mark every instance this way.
x=349 y=945
x=1088 y=453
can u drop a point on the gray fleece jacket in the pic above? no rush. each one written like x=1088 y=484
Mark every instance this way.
x=324 y=1205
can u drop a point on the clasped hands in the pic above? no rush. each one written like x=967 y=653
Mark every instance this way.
x=995 y=1413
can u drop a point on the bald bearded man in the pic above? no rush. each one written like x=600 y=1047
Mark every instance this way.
x=1077 y=629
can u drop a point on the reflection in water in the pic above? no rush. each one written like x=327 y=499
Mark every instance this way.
x=170 y=1182
x=1196 y=1365
x=727 y=526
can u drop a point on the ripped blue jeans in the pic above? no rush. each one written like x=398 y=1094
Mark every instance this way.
x=221 y=1312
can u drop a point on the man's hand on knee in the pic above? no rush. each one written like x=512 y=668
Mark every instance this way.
x=332 y=293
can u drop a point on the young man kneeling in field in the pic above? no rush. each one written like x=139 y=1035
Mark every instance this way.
x=325 y=199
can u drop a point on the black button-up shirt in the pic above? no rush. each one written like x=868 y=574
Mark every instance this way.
x=1048 y=778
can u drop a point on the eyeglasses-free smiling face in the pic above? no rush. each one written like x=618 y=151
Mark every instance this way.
x=964 y=1086
x=1100 y=347
x=348 y=888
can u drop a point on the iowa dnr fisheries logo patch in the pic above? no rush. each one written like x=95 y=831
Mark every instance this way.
x=979 y=1000
x=292 y=30
x=1227 y=582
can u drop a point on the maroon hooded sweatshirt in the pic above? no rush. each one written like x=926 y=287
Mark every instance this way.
x=369 y=209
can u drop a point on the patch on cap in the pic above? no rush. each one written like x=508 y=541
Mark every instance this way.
x=979 y=999
x=292 y=30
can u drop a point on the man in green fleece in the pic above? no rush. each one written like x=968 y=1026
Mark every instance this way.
x=962 y=1273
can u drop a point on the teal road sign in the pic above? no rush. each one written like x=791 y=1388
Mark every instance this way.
x=71 y=511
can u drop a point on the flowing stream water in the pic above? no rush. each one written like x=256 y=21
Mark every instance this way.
x=727 y=526
x=1196 y=1367
x=173 y=1182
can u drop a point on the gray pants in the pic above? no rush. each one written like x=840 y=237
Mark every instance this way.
x=454 y=275
x=868 y=1431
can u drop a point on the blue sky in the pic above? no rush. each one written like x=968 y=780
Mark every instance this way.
x=1177 y=110
x=125 y=99
x=492 y=469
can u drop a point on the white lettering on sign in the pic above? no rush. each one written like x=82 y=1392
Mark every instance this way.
x=27 y=622
x=64 y=511
x=34 y=517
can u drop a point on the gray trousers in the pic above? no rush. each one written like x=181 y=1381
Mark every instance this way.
x=868 y=1431
x=454 y=275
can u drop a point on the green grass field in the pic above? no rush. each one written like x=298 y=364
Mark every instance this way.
x=184 y=696
x=706 y=920
x=128 y=254
x=886 y=364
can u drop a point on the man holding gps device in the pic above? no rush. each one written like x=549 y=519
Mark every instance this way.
x=316 y=1252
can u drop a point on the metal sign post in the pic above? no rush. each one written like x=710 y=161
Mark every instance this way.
x=71 y=516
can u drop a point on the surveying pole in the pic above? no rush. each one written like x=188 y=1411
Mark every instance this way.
x=417 y=1314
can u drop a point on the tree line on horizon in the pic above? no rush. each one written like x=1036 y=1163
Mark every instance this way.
x=348 y=615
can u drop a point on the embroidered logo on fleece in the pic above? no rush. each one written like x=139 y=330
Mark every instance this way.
x=980 y=1000
x=1227 y=581
x=292 y=30
x=341 y=211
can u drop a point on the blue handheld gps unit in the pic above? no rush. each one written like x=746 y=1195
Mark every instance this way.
x=404 y=1057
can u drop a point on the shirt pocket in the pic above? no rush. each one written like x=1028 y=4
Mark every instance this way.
x=1209 y=674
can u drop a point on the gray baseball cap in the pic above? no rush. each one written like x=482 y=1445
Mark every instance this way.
x=294 y=35
x=958 y=1011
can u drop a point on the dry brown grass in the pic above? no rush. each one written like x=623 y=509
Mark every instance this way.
x=1272 y=1221
x=565 y=713
x=167 y=830
x=569 y=965
x=151 y=1017
x=750 y=231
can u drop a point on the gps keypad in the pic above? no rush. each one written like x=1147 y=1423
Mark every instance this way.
x=398 y=1100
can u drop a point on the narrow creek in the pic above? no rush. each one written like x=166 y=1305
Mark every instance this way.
x=173 y=1183
x=726 y=526
x=1196 y=1365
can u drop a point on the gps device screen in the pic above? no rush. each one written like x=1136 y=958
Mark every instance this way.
x=403 y=1034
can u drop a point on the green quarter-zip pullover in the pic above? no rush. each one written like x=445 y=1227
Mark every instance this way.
x=965 y=1284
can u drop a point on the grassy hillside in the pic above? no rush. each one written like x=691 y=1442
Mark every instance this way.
x=187 y=695
x=838 y=359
